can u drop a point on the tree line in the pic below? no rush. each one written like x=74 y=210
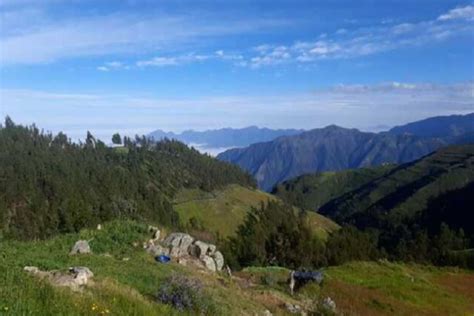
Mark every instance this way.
x=50 y=185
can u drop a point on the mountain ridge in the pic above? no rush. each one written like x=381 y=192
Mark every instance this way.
x=225 y=137
x=329 y=148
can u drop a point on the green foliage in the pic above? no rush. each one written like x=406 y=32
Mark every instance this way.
x=49 y=185
x=419 y=211
x=312 y=191
x=349 y=244
x=116 y=139
x=274 y=235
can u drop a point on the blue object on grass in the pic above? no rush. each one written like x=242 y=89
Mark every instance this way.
x=162 y=259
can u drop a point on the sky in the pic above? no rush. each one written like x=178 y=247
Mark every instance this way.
x=139 y=65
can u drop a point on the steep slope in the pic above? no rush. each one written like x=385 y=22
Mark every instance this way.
x=311 y=191
x=330 y=148
x=226 y=137
x=440 y=126
x=222 y=211
x=436 y=189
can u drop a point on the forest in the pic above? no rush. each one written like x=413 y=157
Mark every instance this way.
x=50 y=184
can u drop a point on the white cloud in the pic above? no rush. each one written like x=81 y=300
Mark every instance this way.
x=47 y=38
x=345 y=44
x=172 y=61
x=466 y=12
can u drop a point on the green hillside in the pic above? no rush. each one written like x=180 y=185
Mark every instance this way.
x=51 y=185
x=420 y=211
x=405 y=191
x=312 y=191
x=126 y=281
x=222 y=211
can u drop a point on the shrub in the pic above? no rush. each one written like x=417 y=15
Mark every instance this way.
x=185 y=293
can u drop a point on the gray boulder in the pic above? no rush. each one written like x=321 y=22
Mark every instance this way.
x=200 y=248
x=209 y=263
x=80 y=247
x=219 y=260
x=178 y=243
x=211 y=250
x=75 y=278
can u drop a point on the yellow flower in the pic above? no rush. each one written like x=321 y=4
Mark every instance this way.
x=6 y=308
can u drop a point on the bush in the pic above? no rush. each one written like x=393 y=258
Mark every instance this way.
x=184 y=293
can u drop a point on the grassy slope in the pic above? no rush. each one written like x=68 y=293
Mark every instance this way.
x=224 y=210
x=416 y=183
x=384 y=288
x=311 y=191
x=127 y=287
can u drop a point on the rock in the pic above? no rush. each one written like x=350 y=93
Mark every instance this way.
x=211 y=250
x=157 y=250
x=219 y=260
x=178 y=244
x=228 y=271
x=156 y=235
x=31 y=269
x=81 y=275
x=267 y=313
x=152 y=229
x=80 y=247
x=293 y=308
x=200 y=247
x=329 y=304
x=75 y=278
x=209 y=263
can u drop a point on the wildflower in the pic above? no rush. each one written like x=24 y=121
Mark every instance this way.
x=5 y=308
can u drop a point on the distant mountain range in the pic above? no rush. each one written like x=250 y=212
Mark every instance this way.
x=225 y=137
x=439 y=126
x=337 y=148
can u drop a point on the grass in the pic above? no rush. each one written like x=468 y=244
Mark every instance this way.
x=128 y=287
x=221 y=212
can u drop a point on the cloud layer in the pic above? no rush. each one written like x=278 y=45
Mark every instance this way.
x=360 y=106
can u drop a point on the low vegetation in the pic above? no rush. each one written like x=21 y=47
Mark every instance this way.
x=133 y=286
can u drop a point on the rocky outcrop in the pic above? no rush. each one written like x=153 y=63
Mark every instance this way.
x=75 y=278
x=219 y=260
x=80 y=247
x=186 y=250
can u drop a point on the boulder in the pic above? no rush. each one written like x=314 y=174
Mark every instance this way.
x=209 y=263
x=75 y=278
x=211 y=249
x=219 y=260
x=178 y=243
x=81 y=274
x=80 y=247
x=200 y=248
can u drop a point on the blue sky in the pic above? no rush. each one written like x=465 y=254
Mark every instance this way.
x=135 y=66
